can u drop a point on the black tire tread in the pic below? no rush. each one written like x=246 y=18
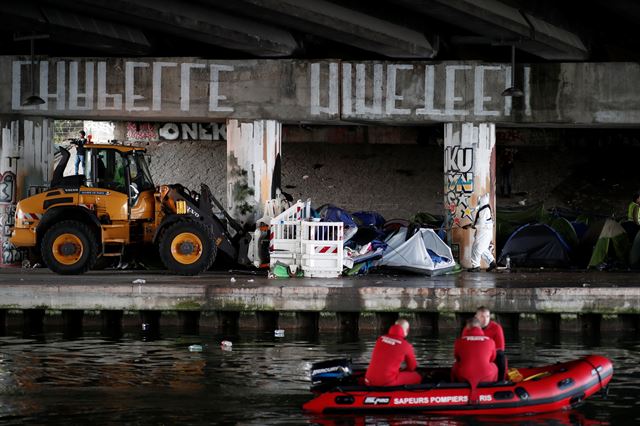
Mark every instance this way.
x=72 y=227
x=164 y=248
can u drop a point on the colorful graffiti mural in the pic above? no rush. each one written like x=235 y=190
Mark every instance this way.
x=458 y=185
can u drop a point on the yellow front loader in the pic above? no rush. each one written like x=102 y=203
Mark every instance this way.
x=114 y=205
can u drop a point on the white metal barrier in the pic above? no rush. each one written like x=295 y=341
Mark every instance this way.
x=284 y=229
x=322 y=249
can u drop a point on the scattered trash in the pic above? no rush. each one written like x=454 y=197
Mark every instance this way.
x=139 y=281
x=35 y=265
x=585 y=285
x=278 y=333
x=26 y=264
x=280 y=270
x=233 y=280
x=305 y=177
x=146 y=326
x=508 y=263
x=226 y=345
x=250 y=281
x=195 y=348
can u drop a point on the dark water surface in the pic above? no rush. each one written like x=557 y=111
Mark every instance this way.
x=49 y=379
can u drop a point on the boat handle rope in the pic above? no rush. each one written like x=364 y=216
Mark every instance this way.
x=602 y=388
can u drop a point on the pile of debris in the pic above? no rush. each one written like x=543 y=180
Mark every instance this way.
x=329 y=242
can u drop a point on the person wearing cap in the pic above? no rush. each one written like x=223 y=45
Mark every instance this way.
x=390 y=351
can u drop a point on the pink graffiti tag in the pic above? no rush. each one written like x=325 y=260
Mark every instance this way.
x=142 y=131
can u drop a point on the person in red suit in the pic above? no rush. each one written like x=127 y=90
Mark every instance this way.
x=474 y=353
x=390 y=351
x=493 y=330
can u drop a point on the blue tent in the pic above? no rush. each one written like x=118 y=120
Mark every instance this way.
x=536 y=245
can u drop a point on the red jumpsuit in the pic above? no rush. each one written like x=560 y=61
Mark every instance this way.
x=494 y=330
x=474 y=353
x=388 y=354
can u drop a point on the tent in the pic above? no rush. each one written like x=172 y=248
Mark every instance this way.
x=508 y=219
x=609 y=243
x=566 y=230
x=536 y=245
x=423 y=252
x=634 y=254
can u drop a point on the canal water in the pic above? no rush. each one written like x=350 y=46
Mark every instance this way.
x=134 y=379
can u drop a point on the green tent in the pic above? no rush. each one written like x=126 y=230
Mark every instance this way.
x=634 y=254
x=612 y=243
x=563 y=227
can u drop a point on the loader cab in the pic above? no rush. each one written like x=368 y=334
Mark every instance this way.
x=122 y=170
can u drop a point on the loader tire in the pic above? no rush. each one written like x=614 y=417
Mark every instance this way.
x=69 y=248
x=187 y=248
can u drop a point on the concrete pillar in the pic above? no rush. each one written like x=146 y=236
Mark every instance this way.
x=228 y=321
x=550 y=322
x=384 y=320
x=267 y=320
x=630 y=322
x=510 y=322
x=111 y=322
x=3 y=322
x=33 y=321
x=469 y=169
x=26 y=164
x=590 y=323
x=348 y=321
x=425 y=321
x=189 y=322
x=72 y=322
x=150 y=321
x=309 y=321
x=253 y=166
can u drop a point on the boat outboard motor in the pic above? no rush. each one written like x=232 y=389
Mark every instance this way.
x=331 y=371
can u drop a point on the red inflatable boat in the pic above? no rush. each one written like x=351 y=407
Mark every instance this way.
x=538 y=390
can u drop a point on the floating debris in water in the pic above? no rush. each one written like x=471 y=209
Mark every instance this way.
x=139 y=281
x=195 y=348
x=278 y=333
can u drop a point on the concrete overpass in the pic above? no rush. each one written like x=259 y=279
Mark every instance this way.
x=384 y=62
x=418 y=29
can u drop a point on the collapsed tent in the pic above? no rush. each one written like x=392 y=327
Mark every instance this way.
x=423 y=252
x=609 y=243
x=536 y=245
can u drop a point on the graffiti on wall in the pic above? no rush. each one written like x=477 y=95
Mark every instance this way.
x=193 y=131
x=459 y=183
x=141 y=132
x=389 y=90
x=149 y=132
x=7 y=187
x=10 y=255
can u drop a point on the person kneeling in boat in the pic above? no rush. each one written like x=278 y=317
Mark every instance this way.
x=475 y=354
x=390 y=351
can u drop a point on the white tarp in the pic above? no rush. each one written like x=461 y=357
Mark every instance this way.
x=414 y=254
